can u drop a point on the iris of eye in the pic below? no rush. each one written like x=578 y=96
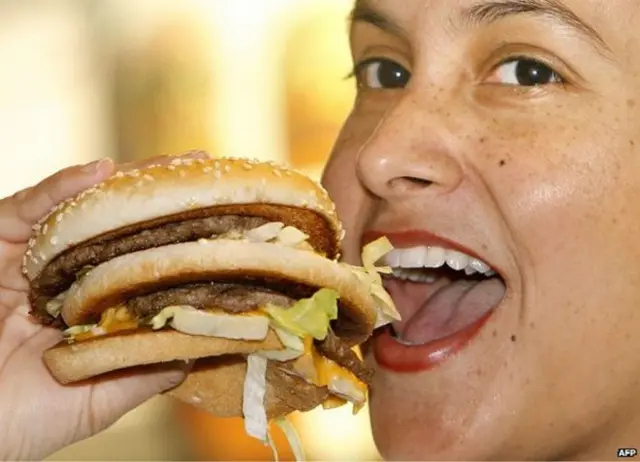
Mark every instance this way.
x=531 y=73
x=390 y=75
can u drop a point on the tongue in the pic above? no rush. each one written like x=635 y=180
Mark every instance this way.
x=452 y=308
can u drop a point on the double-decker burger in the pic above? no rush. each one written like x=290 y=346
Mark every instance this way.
x=229 y=262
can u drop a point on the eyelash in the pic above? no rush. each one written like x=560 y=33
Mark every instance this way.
x=361 y=66
x=562 y=80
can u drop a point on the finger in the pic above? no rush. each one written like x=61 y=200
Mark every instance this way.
x=117 y=396
x=21 y=211
x=161 y=160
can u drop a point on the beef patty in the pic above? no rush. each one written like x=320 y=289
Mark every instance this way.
x=58 y=275
x=230 y=297
x=335 y=349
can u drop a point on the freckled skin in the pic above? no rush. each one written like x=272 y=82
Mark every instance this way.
x=544 y=184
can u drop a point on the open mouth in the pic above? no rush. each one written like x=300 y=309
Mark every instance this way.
x=444 y=296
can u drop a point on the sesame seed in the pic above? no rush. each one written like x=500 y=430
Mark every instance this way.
x=247 y=166
x=288 y=173
x=216 y=164
x=199 y=161
x=36 y=227
x=207 y=169
x=58 y=218
x=277 y=173
x=343 y=233
x=227 y=168
x=217 y=174
x=42 y=256
x=119 y=174
x=176 y=162
x=53 y=240
x=171 y=167
x=45 y=228
x=182 y=173
x=148 y=177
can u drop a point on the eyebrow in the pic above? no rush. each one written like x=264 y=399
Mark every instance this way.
x=488 y=12
x=363 y=12
x=491 y=11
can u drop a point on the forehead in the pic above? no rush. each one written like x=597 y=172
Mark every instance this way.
x=600 y=18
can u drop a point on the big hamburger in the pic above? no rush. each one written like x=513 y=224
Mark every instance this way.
x=229 y=262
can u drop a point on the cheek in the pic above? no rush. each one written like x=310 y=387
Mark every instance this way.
x=572 y=209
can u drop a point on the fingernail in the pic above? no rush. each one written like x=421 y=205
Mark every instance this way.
x=93 y=167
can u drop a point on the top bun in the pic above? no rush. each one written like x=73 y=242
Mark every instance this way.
x=156 y=191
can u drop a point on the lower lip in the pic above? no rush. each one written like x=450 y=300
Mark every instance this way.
x=397 y=357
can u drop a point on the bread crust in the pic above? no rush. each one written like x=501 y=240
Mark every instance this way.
x=111 y=283
x=78 y=361
x=157 y=191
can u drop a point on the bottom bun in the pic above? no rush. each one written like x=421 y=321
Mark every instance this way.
x=82 y=360
x=216 y=385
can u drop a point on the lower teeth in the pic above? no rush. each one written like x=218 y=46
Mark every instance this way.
x=415 y=275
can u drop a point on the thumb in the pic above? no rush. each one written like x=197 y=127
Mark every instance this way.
x=113 y=398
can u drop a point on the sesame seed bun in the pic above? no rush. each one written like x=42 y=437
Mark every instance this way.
x=222 y=259
x=157 y=191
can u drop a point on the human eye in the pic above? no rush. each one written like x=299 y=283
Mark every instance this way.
x=380 y=73
x=525 y=72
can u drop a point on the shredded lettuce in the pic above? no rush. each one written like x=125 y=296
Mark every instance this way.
x=272 y=446
x=292 y=437
x=255 y=387
x=308 y=316
x=369 y=274
x=255 y=415
x=293 y=347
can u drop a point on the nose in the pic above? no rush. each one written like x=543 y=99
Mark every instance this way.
x=410 y=152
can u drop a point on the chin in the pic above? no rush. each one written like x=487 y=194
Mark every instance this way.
x=439 y=415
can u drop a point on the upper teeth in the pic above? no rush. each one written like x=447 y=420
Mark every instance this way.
x=435 y=257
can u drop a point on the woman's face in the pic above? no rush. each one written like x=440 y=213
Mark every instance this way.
x=508 y=130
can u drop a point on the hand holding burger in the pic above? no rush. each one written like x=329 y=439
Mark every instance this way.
x=41 y=416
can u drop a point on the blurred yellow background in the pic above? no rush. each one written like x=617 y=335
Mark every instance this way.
x=84 y=79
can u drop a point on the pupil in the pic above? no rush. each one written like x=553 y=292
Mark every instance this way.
x=530 y=73
x=392 y=75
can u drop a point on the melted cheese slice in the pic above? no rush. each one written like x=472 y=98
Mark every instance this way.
x=115 y=319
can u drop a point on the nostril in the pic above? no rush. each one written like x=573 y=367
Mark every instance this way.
x=408 y=183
